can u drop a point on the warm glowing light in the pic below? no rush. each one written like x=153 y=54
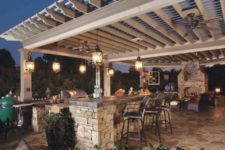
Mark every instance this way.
x=29 y=65
x=217 y=90
x=138 y=64
x=82 y=68
x=56 y=66
x=97 y=56
x=111 y=71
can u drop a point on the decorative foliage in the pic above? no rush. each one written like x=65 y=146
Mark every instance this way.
x=60 y=131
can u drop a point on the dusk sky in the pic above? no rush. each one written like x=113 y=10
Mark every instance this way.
x=16 y=11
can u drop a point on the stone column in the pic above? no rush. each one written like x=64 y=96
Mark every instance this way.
x=107 y=80
x=25 y=78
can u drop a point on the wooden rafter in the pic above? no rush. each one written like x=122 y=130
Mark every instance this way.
x=150 y=33
x=46 y=20
x=125 y=36
x=66 y=11
x=181 y=31
x=138 y=34
x=162 y=30
x=211 y=25
x=105 y=40
x=198 y=32
x=80 y=6
x=56 y=16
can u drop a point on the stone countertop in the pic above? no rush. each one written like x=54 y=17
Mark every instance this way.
x=95 y=103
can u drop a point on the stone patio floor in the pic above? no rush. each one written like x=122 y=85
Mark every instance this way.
x=191 y=131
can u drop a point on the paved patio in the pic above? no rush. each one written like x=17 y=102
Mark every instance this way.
x=191 y=131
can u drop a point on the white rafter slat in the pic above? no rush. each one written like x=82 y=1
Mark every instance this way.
x=115 y=48
x=180 y=30
x=117 y=39
x=102 y=39
x=97 y=3
x=150 y=33
x=138 y=34
x=162 y=30
x=39 y=24
x=56 y=16
x=48 y=21
x=80 y=6
x=211 y=25
x=125 y=36
x=66 y=11
x=200 y=34
x=32 y=27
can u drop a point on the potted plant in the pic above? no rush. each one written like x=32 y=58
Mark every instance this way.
x=59 y=131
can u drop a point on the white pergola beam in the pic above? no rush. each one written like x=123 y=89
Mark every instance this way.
x=189 y=48
x=105 y=16
x=56 y=16
x=80 y=6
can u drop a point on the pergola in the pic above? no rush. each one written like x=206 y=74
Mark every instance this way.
x=62 y=27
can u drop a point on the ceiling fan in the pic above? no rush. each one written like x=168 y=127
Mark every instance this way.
x=83 y=47
x=194 y=21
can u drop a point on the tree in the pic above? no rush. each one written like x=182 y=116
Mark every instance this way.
x=9 y=76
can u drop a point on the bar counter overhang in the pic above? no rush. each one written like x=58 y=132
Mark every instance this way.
x=99 y=121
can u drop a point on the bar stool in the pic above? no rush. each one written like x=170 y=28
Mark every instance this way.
x=135 y=116
x=151 y=111
x=164 y=111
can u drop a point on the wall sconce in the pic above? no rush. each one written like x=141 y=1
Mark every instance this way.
x=56 y=67
x=29 y=64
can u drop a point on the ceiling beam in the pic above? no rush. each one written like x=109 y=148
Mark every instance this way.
x=54 y=50
x=123 y=35
x=211 y=25
x=222 y=3
x=149 y=32
x=137 y=34
x=180 y=30
x=118 y=39
x=161 y=29
x=212 y=62
x=188 y=48
x=197 y=32
x=105 y=16
x=111 y=42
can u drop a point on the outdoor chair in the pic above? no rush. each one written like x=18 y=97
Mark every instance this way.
x=135 y=117
x=200 y=103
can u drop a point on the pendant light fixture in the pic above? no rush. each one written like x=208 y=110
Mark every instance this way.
x=97 y=55
x=29 y=64
x=138 y=63
x=56 y=67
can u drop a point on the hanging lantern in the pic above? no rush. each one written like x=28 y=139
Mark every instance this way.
x=97 y=56
x=110 y=70
x=29 y=64
x=138 y=64
x=56 y=66
x=82 y=68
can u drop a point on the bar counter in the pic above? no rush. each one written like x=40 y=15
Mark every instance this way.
x=99 y=121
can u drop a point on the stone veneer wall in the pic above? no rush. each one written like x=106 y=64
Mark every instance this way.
x=98 y=126
x=200 y=84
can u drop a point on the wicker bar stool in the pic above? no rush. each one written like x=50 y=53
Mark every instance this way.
x=138 y=117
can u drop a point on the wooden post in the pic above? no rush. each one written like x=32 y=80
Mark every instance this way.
x=25 y=78
x=107 y=80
